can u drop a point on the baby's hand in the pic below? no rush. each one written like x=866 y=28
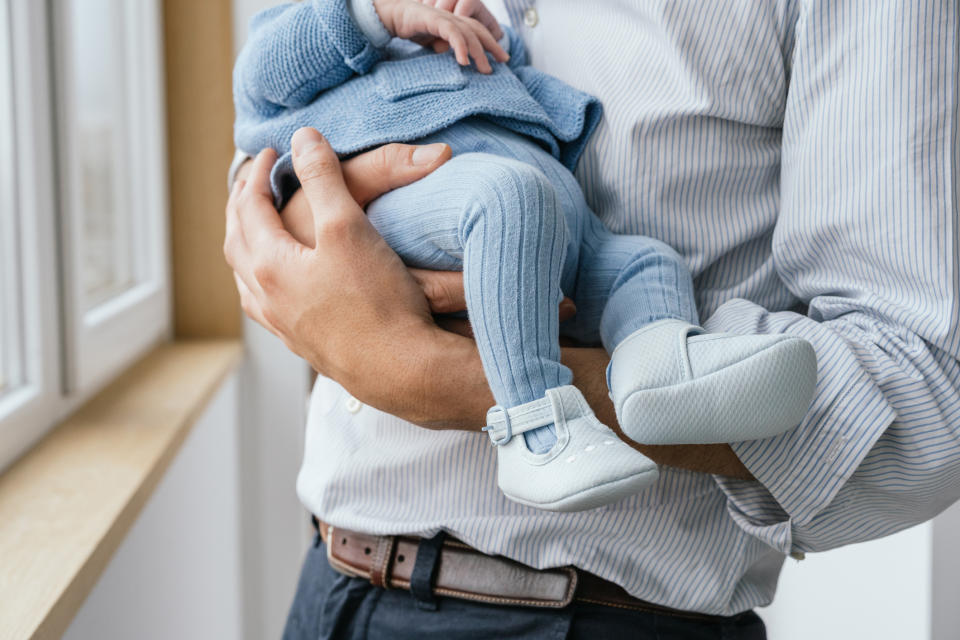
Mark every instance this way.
x=465 y=30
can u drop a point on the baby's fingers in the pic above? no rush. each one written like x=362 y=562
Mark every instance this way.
x=477 y=53
x=476 y=9
x=458 y=43
x=490 y=43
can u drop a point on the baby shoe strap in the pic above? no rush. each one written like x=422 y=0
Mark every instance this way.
x=503 y=424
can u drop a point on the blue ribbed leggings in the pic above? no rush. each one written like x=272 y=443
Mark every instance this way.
x=515 y=221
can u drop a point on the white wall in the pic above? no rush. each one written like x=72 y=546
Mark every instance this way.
x=946 y=575
x=902 y=587
x=275 y=526
x=178 y=572
x=878 y=590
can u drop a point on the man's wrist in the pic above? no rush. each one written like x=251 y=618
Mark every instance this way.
x=440 y=382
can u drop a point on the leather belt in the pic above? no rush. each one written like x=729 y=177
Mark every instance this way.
x=466 y=573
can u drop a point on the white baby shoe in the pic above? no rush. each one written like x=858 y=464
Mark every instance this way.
x=589 y=465
x=671 y=383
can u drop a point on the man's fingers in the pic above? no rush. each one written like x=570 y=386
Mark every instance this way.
x=443 y=289
x=445 y=294
x=259 y=177
x=257 y=218
x=371 y=174
x=321 y=178
x=460 y=326
x=232 y=238
x=567 y=309
x=250 y=304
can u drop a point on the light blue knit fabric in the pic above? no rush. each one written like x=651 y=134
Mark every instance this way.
x=514 y=220
x=308 y=64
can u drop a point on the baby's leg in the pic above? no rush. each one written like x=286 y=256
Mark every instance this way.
x=499 y=220
x=627 y=282
x=670 y=381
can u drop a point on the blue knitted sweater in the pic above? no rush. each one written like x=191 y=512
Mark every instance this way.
x=308 y=64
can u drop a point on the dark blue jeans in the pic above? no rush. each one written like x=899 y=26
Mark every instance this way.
x=331 y=605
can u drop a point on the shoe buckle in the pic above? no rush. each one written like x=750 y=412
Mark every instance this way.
x=508 y=426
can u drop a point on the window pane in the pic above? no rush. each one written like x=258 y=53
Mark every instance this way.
x=95 y=70
x=4 y=383
x=9 y=260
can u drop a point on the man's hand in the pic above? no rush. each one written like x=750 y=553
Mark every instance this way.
x=428 y=25
x=348 y=306
x=367 y=176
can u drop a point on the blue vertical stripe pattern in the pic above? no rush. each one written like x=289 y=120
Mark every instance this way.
x=802 y=157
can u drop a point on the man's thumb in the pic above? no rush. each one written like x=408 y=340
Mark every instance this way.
x=318 y=168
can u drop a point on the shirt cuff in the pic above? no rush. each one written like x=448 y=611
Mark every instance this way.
x=239 y=157
x=364 y=14
x=800 y=472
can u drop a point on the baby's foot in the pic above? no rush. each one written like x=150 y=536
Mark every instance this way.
x=587 y=467
x=671 y=383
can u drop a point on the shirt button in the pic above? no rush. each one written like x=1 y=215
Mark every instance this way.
x=353 y=405
x=530 y=17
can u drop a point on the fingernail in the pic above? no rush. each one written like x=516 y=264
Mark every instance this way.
x=305 y=140
x=428 y=153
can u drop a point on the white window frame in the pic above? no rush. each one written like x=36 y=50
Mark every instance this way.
x=10 y=357
x=65 y=356
x=31 y=407
x=104 y=339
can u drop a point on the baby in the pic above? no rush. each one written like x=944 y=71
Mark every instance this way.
x=507 y=210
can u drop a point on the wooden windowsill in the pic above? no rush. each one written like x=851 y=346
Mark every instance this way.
x=67 y=504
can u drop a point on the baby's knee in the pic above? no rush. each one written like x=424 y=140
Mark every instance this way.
x=664 y=253
x=507 y=188
x=647 y=254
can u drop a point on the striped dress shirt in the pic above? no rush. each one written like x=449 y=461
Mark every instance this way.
x=802 y=155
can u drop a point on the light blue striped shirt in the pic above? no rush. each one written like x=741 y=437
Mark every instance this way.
x=803 y=157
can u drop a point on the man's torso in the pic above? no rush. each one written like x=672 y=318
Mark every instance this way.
x=688 y=152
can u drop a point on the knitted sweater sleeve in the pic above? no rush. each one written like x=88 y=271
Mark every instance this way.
x=297 y=50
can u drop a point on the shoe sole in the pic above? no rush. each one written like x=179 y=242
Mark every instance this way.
x=597 y=496
x=676 y=414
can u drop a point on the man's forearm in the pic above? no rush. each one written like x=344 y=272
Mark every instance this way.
x=449 y=391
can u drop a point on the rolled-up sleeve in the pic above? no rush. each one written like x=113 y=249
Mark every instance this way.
x=868 y=238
